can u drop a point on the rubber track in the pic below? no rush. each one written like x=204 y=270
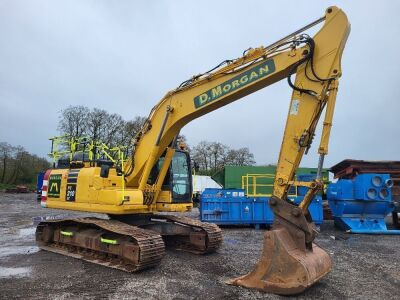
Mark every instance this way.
x=214 y=233
x=151 y=245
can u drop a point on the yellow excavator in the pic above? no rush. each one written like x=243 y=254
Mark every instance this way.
x=157 y=176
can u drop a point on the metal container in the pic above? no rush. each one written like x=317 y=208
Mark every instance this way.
x=350 y=168
x=360 y=205
x=232 y=207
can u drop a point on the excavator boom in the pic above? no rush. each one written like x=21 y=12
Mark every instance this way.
x=316 y=64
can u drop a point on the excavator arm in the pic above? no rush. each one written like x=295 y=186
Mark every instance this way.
x=316 y=64
x=290 y=262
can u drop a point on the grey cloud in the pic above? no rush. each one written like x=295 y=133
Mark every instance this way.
x=123 y=56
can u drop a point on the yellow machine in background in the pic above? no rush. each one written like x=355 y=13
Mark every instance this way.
x=157 y=177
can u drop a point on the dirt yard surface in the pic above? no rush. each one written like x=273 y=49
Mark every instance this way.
x=365 y=267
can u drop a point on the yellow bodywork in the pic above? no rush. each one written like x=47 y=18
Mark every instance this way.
x=105 y=195
x=258 y=68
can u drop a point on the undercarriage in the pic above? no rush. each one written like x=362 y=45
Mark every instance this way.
x=128 y=243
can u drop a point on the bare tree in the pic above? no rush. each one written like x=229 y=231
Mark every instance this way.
x=113 y=124
x=20 y=155
x=96 y=123
x=240 y=157
x=99 y=125
x=200 y=154
x=132 y=127
x=213 y=156
x=18 y=165
x=218 y=154
x=5 y=154
x=128 y=131
x=73 y=121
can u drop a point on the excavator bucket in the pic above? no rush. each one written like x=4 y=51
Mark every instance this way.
x=289 y=264
x=284 y=269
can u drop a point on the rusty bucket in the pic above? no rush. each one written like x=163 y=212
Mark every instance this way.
x=286 y=267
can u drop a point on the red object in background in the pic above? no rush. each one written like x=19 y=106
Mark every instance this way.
x=45 y=186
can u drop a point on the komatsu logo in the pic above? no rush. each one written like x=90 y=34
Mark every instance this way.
x=235 y=83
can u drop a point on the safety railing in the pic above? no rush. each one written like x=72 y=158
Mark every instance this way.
x=256 y=185
x=72 y=148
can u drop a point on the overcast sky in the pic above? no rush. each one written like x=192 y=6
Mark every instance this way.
x=123 y=56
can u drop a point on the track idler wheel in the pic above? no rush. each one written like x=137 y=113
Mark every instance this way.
x=289 y=264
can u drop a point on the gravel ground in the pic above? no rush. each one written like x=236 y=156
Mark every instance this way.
x=364 y=266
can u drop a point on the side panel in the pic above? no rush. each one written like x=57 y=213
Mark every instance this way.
x=84 y=190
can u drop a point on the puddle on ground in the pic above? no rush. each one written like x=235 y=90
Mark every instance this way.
x=14 y=272
x=18 y=241
x=25 y=232
x=18 y=232
x=17 y=250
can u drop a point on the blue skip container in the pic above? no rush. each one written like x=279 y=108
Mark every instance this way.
x=232 y=207
x=39 y=184
x=360 y=205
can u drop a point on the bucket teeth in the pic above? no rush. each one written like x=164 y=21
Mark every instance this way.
x=284 y=268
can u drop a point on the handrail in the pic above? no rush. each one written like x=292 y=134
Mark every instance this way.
x=250 y=185
x=69 y=145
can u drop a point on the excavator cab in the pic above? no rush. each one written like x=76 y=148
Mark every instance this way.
x=178 y=179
